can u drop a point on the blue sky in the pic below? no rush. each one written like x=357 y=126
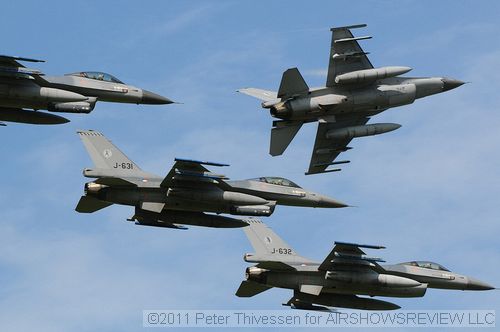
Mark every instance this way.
x=429 y=190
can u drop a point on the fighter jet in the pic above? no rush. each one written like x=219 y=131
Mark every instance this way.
x=185 y=193
x=354 y=92
x=24 y=91
x=344 y=274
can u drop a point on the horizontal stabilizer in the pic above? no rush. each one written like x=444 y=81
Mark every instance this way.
x=89 y=204
x=274 y=265
x=264 y=95
x=250 y=288
x=292 y=84
x=282 y=136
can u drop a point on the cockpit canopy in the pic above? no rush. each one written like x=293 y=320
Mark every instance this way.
x=427 y=265
x=277 y=181
x=97 y=75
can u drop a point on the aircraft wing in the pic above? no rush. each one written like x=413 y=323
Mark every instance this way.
x=350 y=255
x=326 y=150
x=10 y=67
x=189 y=172
x=345 y=53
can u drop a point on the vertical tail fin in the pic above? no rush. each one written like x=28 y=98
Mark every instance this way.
x=264 y=240
x=104 y=154
x=292 y=84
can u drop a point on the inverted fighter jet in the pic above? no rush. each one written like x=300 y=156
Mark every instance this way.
x=24 y=91
x=354 y=92
x=344 y=274
x=186 y=193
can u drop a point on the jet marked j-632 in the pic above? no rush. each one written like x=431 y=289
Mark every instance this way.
x=344 y=274
x=354 y=92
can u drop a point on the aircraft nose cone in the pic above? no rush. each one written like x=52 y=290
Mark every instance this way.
x=327 y=202
x=475 y=284
x=451 y=83
x=151 y=98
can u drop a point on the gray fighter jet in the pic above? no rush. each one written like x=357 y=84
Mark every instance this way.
x=188 y=190
x=343 y=275
x=24 y=91
x=354 y=92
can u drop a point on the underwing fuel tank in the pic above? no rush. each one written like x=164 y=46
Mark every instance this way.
x=381 y=96
x=148 y=218
x=375 y=279
x=32 y=117
x=74 y=107
x=252 y=210
x=337 y=300
x=39 y=94
x=361 y=131
x=218 y=196
x=370 y=75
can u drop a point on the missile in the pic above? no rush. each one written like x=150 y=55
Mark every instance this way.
x=370 y=75
x=376 y=279
x=360 y=131
x=32 y=117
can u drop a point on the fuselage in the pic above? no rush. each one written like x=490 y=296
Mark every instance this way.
x=367 y=100
x=399 y=280
x=246 y=197
x=73 y=93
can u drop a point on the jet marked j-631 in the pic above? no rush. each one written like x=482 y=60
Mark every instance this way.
x=186 y=193
x=354 y=92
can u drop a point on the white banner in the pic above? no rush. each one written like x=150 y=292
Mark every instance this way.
x=303 y=318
